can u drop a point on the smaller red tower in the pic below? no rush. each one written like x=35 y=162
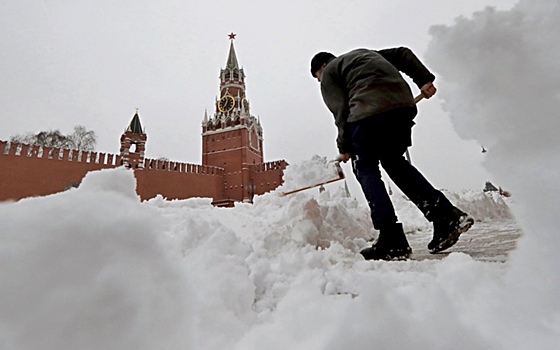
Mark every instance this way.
x=133 y=144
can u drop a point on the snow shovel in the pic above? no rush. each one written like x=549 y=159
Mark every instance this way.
x=339 y=176
x=418 y=98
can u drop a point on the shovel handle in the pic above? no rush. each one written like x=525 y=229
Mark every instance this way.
x=418 y=98
x=339 y=172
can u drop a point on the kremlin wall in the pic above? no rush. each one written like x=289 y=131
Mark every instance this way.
x=232 y=169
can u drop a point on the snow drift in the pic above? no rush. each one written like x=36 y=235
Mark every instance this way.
x=96 y=268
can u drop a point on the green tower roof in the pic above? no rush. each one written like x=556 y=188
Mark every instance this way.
x=135 y=126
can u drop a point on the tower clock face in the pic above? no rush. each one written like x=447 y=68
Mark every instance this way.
x=226 y=103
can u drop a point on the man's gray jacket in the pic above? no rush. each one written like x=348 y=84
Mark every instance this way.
x=364 y=83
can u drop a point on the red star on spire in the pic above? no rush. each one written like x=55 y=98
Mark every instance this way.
x=232 y=36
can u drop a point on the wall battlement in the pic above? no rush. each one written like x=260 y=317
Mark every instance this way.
x=168 y=165
x=16 y=149
x=21 y=150
x=268 y=166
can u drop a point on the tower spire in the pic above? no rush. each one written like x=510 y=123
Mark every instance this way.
x=232 y=57
x=135 y=127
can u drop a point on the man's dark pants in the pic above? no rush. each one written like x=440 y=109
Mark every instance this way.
x=383 y=139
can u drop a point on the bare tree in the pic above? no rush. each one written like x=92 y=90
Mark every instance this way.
x=81 y=139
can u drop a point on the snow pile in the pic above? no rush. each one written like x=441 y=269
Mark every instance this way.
x=315 y=171
x=482 y=206
x=87 y=269
x=113 y=273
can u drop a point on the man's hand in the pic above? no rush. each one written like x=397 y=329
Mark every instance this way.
x=343 y=157
x=428 y=90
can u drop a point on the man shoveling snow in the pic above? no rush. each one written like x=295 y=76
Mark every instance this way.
x=374 y=108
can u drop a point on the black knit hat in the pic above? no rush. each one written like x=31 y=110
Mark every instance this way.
x=318 y=60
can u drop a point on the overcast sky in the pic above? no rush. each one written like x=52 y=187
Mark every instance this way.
x=65 y=63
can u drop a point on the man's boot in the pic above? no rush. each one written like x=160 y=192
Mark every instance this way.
x=448 y=228
x=390 y=245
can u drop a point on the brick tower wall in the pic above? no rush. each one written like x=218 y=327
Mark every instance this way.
x=235 y=150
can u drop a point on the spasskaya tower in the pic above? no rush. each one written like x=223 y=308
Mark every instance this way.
x=232 y=138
